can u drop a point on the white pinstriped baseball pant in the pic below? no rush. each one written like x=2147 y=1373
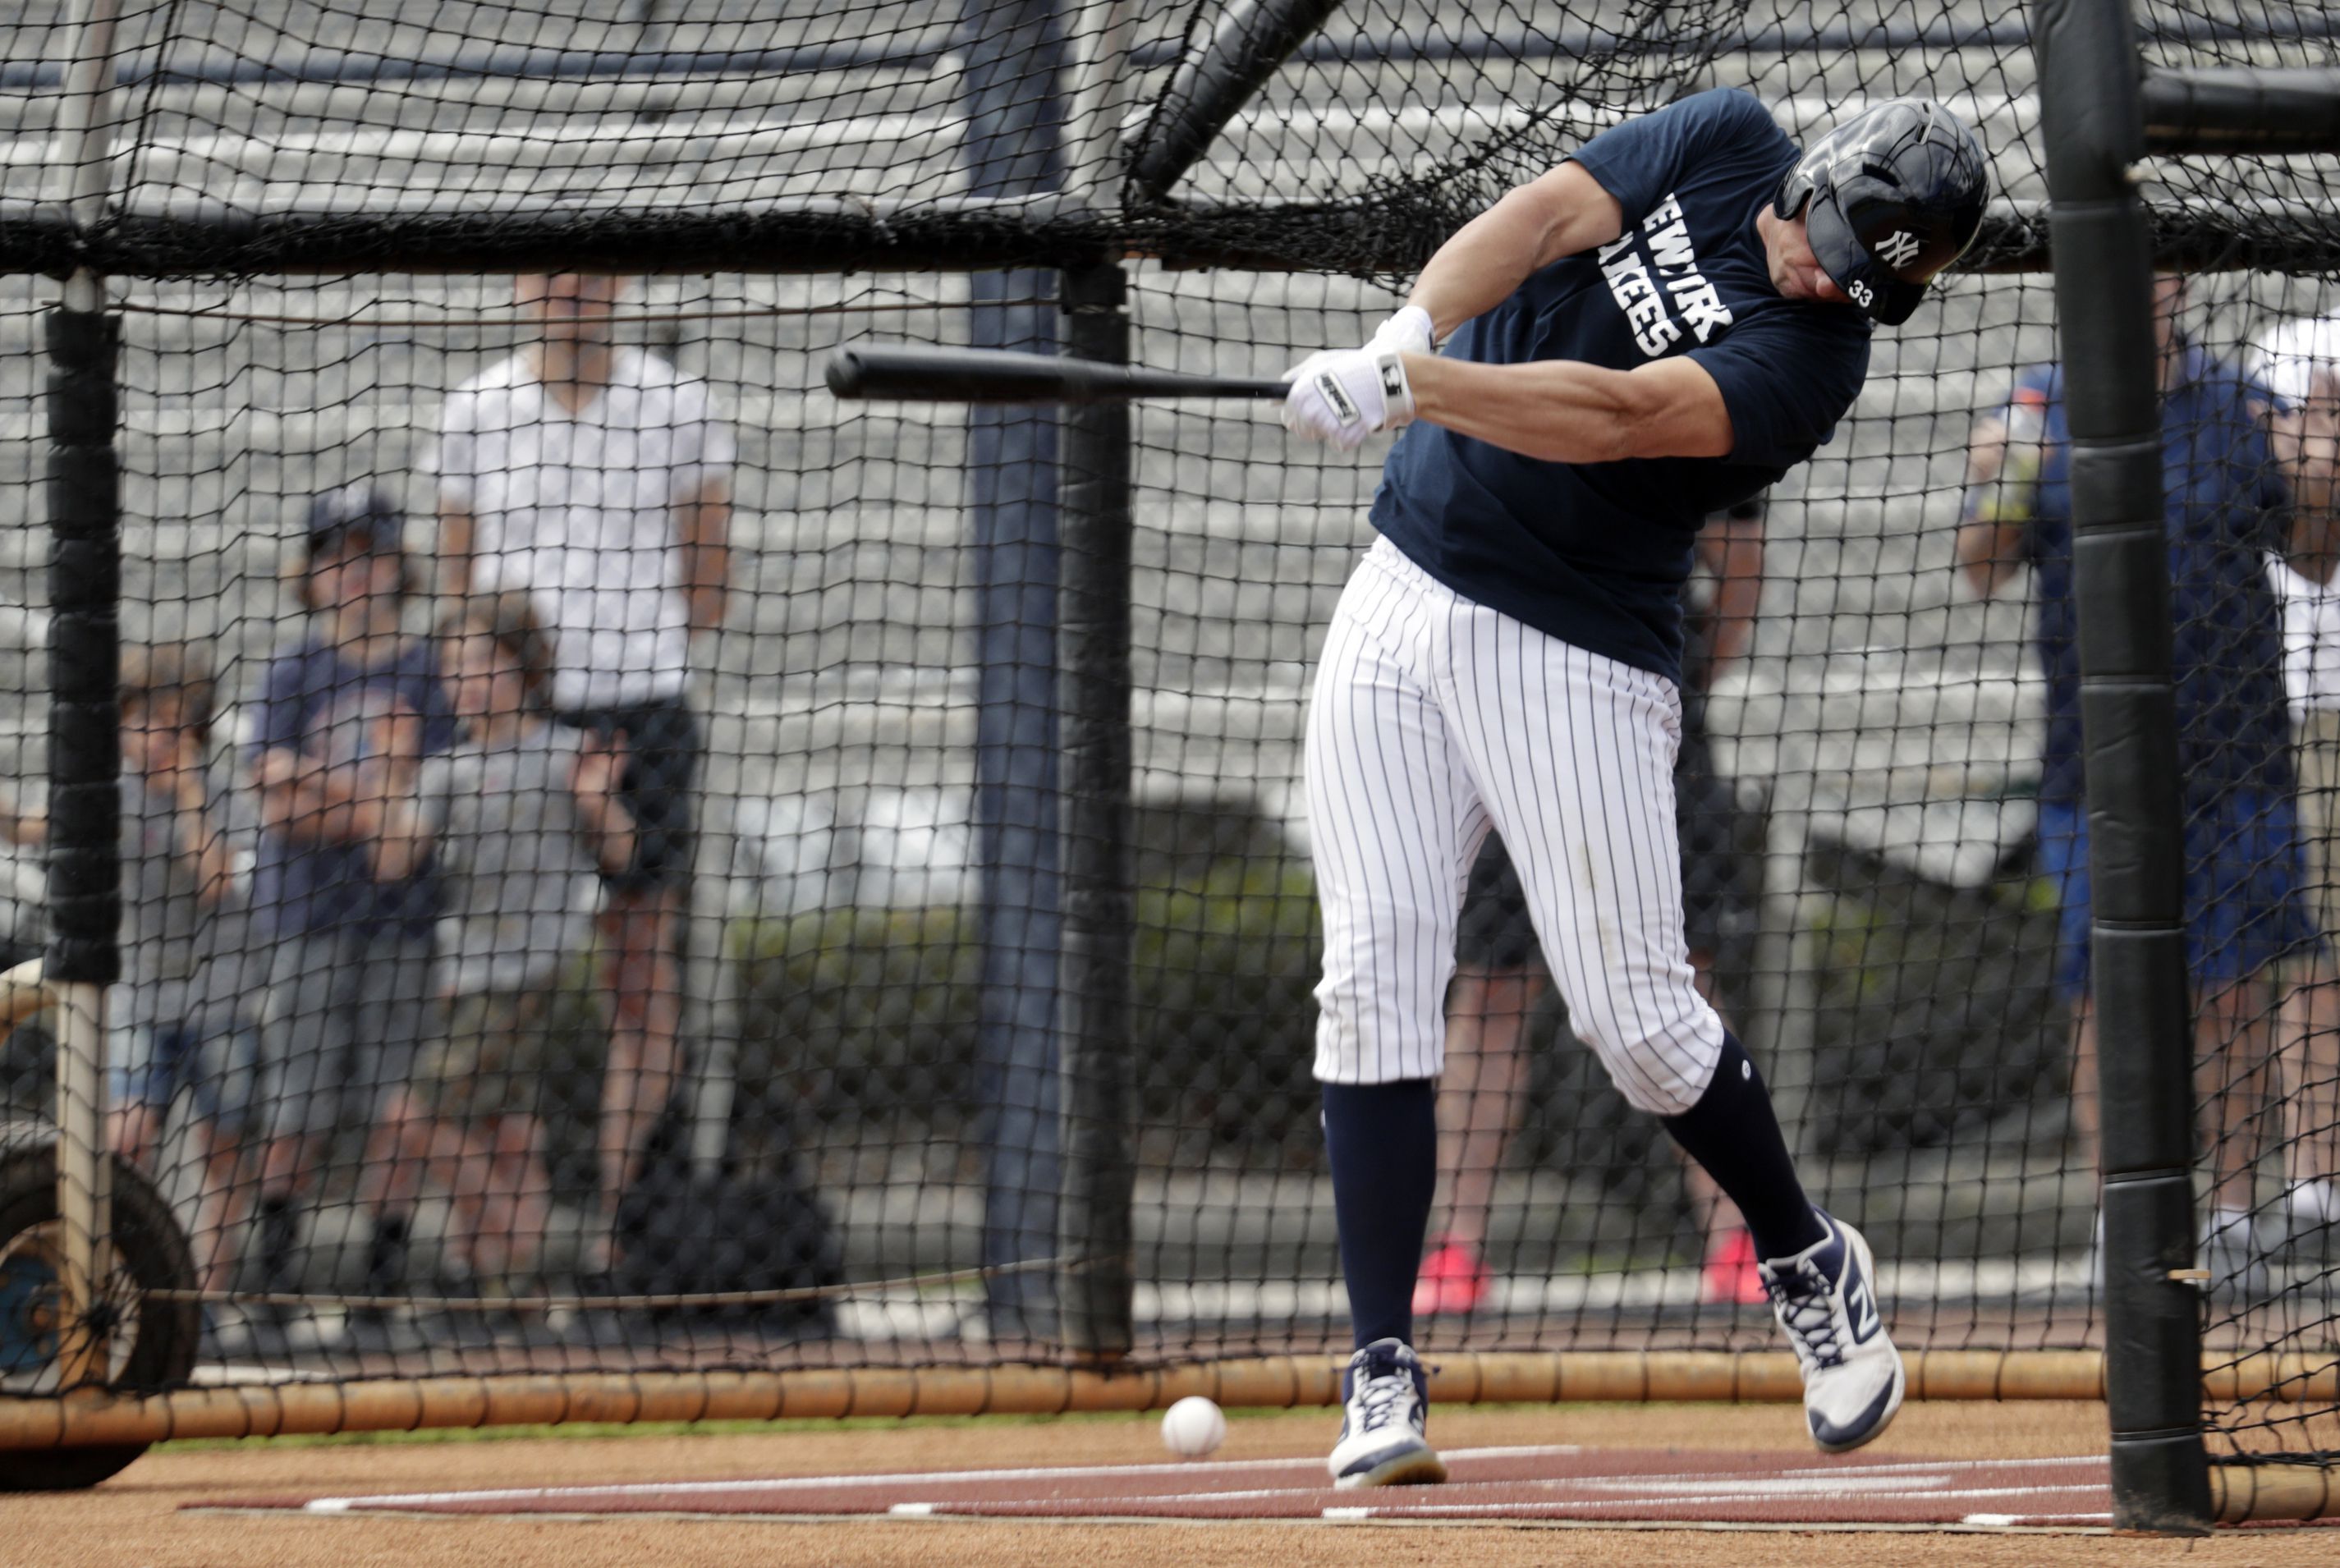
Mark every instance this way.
x=1435 y=718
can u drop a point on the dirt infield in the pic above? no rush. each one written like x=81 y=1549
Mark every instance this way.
x=140 y=1518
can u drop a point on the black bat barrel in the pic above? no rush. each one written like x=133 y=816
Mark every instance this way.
x=925 y=374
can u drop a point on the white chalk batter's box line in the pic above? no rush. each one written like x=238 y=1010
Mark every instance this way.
x=1706 y=1489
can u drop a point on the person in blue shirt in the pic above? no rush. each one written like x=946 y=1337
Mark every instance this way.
x=344 y=720
x=1653 y=332
x=2249 y=936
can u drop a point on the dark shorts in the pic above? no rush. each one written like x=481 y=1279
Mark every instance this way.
x=1721 y=858
x=662 y=764
x=1495 y=932
x=341 y=1021
x=152 y=1066
x=2244 y=910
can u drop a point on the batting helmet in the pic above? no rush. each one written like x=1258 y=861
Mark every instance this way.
x=1889 y=198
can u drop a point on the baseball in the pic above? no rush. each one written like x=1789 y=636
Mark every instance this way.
x=1193 y=1427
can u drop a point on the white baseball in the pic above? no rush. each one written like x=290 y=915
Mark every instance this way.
x=1193 y=1427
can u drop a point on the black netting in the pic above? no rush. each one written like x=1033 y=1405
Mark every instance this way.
x=807 y=1114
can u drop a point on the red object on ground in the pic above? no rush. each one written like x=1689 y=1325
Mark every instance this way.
x=1453 y=1280
x=1731 y=1278
x=1550 y=1484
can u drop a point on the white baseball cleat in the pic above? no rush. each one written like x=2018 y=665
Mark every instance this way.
x=1386 y=1409
x=1825 y=1296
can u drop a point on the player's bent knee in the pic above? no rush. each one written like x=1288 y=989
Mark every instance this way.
x=1663 y=1075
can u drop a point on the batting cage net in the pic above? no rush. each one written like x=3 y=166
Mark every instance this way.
x=597 y=811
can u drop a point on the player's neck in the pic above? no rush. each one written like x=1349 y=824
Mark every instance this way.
x=574 y=372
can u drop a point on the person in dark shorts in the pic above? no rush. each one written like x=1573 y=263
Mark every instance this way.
x=2250 y=938
x=344 y=722
x=597 y=478
x=1500 y=975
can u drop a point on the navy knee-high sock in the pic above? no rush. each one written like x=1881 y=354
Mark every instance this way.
x=1381 y=1142
x=1733 y=1132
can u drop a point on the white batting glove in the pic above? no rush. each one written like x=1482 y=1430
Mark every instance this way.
x=1341 y=397
x=1408 y=332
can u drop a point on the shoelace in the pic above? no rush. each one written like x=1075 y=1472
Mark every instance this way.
x=1382 y=1396
x=1807 y=1311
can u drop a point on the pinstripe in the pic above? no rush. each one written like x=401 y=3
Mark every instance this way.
x=1434 y=719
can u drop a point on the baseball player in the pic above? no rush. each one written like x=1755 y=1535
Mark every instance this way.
x=1660 y=327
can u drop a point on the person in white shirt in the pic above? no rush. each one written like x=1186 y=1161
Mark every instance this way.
x=2297 y=363
x=596 y=477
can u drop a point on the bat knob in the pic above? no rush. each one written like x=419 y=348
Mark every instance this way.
x=844 y=374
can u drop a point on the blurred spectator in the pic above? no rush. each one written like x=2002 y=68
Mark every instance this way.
x=344 y=722
x=519 y=817
x=2298 y=364
x=2249 y=935
x=169 y=1028
x=1499 y=973
x=597 y=478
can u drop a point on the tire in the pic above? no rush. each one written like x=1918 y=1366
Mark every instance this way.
x=154 y=1346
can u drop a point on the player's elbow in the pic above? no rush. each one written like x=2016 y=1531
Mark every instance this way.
x=1653 y=421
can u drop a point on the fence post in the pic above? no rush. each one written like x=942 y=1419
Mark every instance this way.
x=1094 y=1248
x=1011 y=89
x=84 y=760
x=2102 y=248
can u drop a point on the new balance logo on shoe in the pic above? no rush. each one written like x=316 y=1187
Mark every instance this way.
x=1861 y=1308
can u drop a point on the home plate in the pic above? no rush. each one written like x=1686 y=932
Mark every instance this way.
x=1547 y=1485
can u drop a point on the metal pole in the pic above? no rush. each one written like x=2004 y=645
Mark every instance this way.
x=1095 y=1287
x=84 y=893
x=2102 y=247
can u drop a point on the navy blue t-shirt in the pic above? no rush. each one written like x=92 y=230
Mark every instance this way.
x=1596 y=554
x=2226 y=508
x=318 y=703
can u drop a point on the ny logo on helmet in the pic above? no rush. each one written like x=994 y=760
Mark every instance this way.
x=1897 y=247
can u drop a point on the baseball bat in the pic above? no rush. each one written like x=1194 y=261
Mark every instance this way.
x=914 y=372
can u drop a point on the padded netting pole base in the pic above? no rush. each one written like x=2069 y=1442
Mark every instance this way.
x=2242 y=1492
x=1266 y=1381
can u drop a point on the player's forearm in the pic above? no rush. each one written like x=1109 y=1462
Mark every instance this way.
x=1558 y=411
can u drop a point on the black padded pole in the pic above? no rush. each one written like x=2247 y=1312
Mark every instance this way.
x=1094 y=1292
x=2102 y=248
x=84 y=890
x=1251 y=40
x=2243 y=109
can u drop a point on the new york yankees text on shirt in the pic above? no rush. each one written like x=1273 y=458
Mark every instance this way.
x=1637 y=293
